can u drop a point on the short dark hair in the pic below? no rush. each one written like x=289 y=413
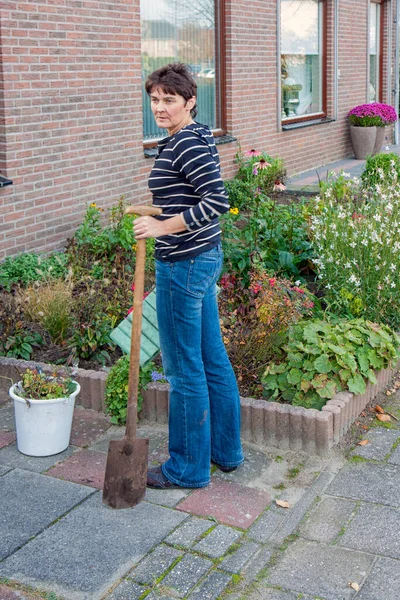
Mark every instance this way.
x=175 y=79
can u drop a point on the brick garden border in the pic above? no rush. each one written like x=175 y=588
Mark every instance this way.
x=281 y=426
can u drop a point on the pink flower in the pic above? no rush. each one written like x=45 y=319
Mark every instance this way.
x=252 y=152
x=279 y=186
x=262 y=164
x=298 y=290
x=272 y=281
x=256 y=288
x=129 y=311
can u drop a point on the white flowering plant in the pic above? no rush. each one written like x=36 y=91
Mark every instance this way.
x=357 y=243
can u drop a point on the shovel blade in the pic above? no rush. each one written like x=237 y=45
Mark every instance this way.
x=126 y=472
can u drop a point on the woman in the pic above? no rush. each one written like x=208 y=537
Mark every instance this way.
x=204 y=416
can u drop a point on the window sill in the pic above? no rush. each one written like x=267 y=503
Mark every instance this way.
x=300 y=124
x=219 y=140
x=4 y=181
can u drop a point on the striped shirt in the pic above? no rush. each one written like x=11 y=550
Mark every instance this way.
x=186 y=179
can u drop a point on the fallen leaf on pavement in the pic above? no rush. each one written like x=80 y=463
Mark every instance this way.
x=383 y=418
x=363 y=443
x=282 y=503
x=388 y=393
x=355 y=586
x=379 y=409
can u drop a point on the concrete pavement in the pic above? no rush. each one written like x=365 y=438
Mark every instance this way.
x=338 y=538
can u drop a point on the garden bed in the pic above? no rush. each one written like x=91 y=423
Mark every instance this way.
x=268 y=424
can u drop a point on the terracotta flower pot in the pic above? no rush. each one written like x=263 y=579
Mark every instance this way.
x=363 y=140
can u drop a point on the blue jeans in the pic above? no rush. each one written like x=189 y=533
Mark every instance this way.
x=204 y=411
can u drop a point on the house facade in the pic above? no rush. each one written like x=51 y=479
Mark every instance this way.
x=273 y=75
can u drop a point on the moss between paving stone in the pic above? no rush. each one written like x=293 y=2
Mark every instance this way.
x=26 y=589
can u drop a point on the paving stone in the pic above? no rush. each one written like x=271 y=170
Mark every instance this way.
x=127 y=590
x=212 y=587
x=184 y=576
x=383 y=583
x=6 y=438
x=374 y=529
x=159 y=455
x=218 y=541
x=254 y=472
x=327 y=519
x=267 y=593
x=229 y=503
x=112 y=433
x=235 y=562
x=85 y=553
x=265 y=525
x=368 y=481
x=87 y=426
x=188 y=533
x=320 y=570
x=381 y=441
x=7 y=422
x=11 y=457
x=155 y=564
x=395 y=456
x=29 y=503
x=4 y=470
x=167 y=497
x=7 y=593
x=259 y=562
x=84 y=466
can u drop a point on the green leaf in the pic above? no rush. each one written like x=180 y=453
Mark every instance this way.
x=26 y=347
x=319 y=381
x=310 y=333
x=336 y=349
x=328 y=391
x=363 y=360
x=305 y=385
x=357 y=384
x=322 y=364
x=375 y=360
x=345 y=375
x=277 y=368
x=349 y=361
x=294 y=376
x=371 y=376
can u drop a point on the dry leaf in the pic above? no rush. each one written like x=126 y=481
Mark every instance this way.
x=363 y=414
x=363 y=443
x=355 y=586
x=383 y=418
x=379 y=409
x=388 y=393
x=282 y=503
x=365 y=427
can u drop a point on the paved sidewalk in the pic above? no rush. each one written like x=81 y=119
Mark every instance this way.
x=342 y=527
x=308 y=181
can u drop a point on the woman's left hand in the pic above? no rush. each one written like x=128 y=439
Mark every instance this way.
x=148 y=227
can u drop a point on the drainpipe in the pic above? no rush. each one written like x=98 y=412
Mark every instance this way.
x=336 y=59
x=396 y=72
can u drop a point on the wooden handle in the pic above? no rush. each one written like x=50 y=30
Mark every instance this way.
x=134 y=358
x=143 y=210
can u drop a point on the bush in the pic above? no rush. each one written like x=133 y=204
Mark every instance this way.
x=50 y=305
x=381 y=169
x=242 y=194
x=117 y=388
x=324 y=358
x=358 y=252
x=255 y=321
x=29 y=267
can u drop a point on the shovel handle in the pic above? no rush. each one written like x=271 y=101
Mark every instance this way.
x=143 y=210
x=134 y=358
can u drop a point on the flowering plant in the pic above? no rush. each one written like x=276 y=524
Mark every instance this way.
x=358 y=249
x=372 y=115
x=36 y=385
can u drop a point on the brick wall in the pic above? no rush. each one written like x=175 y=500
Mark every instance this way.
x=71 y=104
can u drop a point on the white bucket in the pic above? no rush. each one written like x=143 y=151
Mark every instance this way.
x=43 y=426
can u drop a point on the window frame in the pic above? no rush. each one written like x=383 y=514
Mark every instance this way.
x=220 y=70
x=324 y=78
x=380 y=48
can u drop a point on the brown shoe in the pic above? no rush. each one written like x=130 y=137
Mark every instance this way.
x=157 y=480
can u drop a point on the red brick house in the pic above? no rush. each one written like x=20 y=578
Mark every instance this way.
x=75 y=128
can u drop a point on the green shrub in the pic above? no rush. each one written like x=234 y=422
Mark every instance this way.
x=241 y=194
x=20 y=343
x=30 y=267
x=117 y=388
x=260 y=170
x=381 y=169
x=324 y=358
x=357 y=250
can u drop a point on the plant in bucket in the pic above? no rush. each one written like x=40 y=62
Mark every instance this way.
x=367 y=127
x=43 y=408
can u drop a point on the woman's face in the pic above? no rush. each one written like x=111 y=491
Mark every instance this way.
x=171 y=111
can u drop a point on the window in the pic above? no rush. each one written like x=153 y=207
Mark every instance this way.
x=302 y=59
x=374 y=52
x=176 y=30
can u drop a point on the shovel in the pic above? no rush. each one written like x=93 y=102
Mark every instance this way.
x=126 y=470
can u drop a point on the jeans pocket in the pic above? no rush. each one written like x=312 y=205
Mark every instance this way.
x=203 y=272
